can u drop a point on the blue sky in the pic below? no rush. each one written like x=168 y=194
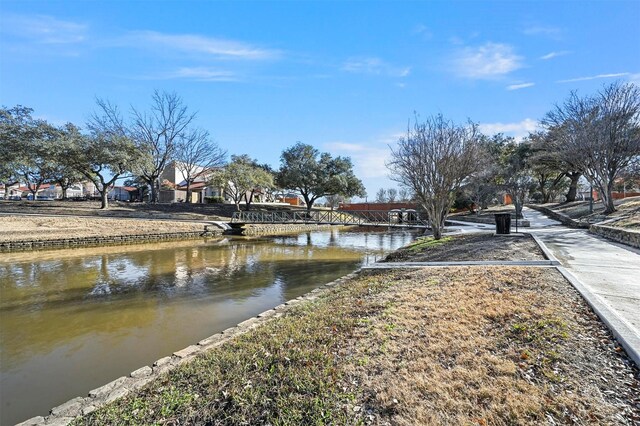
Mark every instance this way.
x=342 y=76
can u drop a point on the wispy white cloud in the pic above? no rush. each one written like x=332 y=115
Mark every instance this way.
x=520 y=86
x=595 y=77
x=518 y=130
x=543 y=30
x=199 y=74
x=489 y=61
x=193 y=43
x=552 y=55
x=376 y=66
x=44 y=29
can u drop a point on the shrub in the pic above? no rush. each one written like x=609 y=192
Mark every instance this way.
x=214 y=200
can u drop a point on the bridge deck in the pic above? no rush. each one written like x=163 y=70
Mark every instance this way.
x=398 y=219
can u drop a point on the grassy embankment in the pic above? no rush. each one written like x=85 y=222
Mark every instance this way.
x=465 y=345
x=627 y=215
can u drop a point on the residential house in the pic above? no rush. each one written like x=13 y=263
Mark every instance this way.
x=173 y=185
x=122 y=193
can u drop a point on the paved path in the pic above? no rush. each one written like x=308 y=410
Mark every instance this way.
x=609 y=271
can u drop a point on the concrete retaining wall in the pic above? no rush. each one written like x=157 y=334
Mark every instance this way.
x=563 y=218
x=624 y=236
x=7 y=246
x=65 y=413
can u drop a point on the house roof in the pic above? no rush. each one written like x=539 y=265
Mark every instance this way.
x=33 y=187
x=195 y=186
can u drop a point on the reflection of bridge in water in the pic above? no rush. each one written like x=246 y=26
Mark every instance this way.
x=384 y=218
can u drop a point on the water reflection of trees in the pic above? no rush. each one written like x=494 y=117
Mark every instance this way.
x=46 y=303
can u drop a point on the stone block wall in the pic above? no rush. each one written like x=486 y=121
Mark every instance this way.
x=620 y=235
x=7 y=246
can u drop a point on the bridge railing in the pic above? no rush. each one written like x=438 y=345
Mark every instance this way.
x=353 y=217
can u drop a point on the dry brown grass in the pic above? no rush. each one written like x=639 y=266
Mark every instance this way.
x=27 y=228
x=484 y=346
x=437 y=346
x=626 y=216
x=478 y=246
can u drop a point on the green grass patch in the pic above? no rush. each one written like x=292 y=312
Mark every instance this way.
x=427 y=242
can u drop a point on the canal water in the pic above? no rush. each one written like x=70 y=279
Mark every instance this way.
x=73 y=320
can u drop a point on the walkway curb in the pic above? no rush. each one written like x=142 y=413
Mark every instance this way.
x=625 y=335
x=629 y=340
x=545 y=250
x=398 y=265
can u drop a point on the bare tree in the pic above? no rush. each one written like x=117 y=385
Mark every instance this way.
x=157 y=134
x=334 y=201
x=433 y=160
x=381 y=196
x=404 y=195
x=601 y=132
x=392 y=193
x=196 y=155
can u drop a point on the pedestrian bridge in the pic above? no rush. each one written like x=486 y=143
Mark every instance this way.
x=383 y=218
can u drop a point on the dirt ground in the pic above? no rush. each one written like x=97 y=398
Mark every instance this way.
x=39 y=228
x=463 y=247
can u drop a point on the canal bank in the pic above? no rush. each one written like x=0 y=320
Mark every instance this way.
x=367 y=347
x=45 y=232
x=486 y=345
x=76 y=319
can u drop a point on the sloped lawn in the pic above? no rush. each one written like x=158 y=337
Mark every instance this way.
x=466 y=345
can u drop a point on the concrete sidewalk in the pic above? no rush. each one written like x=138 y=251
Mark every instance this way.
x=607 y=273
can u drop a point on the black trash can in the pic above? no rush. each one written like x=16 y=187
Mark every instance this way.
x=503 y=223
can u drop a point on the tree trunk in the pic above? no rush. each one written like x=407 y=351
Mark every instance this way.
x=104 y=201
x=518 y=205
x=154 y=192
x=188 y=197
x=436 y=229
x=64 y=185
x=247 y=201
x=607 y=198
x=436 y=220
x=309 y=203
x=573 y=186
